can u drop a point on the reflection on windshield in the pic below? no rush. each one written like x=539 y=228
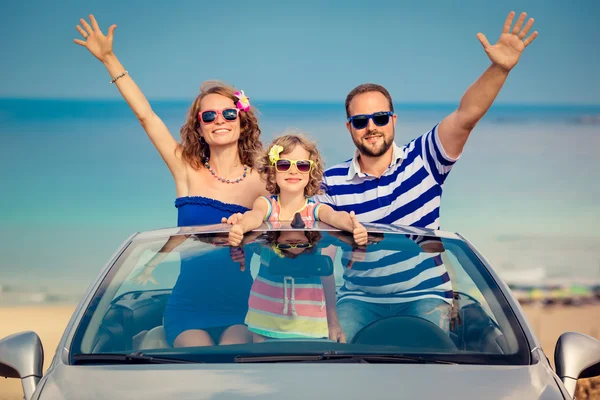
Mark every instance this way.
x=286 y=288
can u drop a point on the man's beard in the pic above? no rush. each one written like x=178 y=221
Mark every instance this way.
x=370 y=151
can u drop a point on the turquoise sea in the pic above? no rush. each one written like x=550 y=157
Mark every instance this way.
x=78 y=177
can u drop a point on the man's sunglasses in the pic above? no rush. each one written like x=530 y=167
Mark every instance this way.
x=208 y=116
x=284 y=165
x=361 y=121
x=287 y=246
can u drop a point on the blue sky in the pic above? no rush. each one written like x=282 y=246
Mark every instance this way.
x=422 y=51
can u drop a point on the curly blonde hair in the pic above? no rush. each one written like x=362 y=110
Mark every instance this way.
x=289 y=142
x=195 y=151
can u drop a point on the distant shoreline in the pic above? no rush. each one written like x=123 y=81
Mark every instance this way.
x=327 y=103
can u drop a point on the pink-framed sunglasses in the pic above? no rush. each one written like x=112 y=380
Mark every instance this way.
x=209 y=116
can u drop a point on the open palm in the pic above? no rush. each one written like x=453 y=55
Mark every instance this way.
x=507 y=51
x=95 y=41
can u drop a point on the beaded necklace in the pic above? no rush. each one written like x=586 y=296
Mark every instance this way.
x=227 y=180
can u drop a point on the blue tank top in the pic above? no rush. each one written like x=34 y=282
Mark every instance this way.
x=198 y=210
x=211 y=290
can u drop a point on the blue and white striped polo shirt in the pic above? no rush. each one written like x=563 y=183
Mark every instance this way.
x=408 y=193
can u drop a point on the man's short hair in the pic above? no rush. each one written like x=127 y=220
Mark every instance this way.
x=365 y=88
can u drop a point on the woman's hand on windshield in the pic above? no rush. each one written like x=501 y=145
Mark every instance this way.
x=95 y=41
x=144 y=277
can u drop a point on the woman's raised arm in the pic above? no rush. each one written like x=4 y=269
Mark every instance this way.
x=101 y=47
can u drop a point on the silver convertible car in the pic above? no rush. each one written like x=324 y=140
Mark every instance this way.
x=298 y=313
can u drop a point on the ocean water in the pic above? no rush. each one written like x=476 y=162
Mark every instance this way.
x=78 y=177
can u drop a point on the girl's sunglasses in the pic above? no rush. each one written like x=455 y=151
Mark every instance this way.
x=361 y=121
x=209 y=116
x=284 y=165
x=287 y=246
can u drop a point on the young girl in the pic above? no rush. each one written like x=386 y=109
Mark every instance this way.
x=293 y=170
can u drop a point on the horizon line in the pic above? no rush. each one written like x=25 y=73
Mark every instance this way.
x=303 y=101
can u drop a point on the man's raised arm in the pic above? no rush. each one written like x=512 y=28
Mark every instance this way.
x=454 y=130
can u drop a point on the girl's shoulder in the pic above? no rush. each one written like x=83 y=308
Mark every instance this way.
x=311 y=202
x=273 y=209
x=270 y=199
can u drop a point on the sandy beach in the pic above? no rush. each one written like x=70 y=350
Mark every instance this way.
x=49 y=322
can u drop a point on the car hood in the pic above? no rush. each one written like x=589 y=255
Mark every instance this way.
x=299 y=381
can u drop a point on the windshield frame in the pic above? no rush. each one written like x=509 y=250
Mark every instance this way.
x=88 y=308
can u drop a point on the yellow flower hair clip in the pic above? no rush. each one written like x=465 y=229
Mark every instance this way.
x=274 y=153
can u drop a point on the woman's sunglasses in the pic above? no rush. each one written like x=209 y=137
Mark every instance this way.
x=209 y=116
x=284 y=165
x=361 y=121
x=287 y=246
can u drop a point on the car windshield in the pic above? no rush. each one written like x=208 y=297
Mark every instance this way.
x=286 y=294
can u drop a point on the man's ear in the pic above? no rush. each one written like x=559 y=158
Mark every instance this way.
x=349 y=127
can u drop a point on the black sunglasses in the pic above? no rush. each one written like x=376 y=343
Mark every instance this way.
x=208 y=116
x=361 y=121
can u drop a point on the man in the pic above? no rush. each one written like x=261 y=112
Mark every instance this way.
x=403 y=185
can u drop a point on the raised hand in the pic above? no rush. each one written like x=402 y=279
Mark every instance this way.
x=358 y=231
x=95 y=41
x=507 y=51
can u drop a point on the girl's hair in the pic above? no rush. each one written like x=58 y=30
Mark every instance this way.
x=196 y=151
x=289 y=142
x=312 y=236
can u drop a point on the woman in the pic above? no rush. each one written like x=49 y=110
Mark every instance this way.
x=213 y=169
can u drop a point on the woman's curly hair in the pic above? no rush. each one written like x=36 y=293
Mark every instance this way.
x=196 y=152
x=289 y=142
